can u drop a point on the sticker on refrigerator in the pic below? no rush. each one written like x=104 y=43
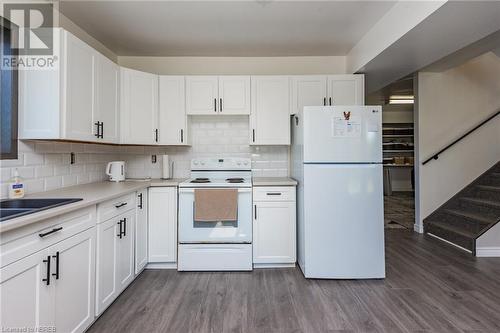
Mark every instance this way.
x=346 y=126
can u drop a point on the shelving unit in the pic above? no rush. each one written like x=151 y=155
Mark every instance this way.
x=399 y=135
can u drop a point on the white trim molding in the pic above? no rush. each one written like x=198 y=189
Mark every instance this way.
x=417 y=227
x=488 y=251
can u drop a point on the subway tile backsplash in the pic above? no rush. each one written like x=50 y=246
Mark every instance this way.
x=45 y=165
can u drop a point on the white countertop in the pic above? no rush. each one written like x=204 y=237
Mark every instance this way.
x=273 y=181
x=91 y=194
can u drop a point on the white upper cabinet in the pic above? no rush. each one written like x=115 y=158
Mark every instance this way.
x=108 y=96
x=218 y=95
x=172 y=111
x=346 y=89
x=308 y=90
x=201 y=95
x=234 y=95
x=139 y=107
x=80 y=84
x=270 y=117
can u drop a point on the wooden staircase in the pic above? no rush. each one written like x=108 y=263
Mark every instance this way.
x=470 y=213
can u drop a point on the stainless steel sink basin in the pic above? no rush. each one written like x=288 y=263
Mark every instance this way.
x=18 y=207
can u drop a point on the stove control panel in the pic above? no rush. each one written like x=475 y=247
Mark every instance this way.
x=226 y=163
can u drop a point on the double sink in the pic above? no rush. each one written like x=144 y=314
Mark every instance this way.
x=10 y=209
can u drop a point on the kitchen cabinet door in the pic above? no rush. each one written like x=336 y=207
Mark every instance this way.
x=172 y=111
x=80 y=106
x=270 y=117
x=27 y=300
x=141 y=231
x=202 y=95
x=234 y=95
x=162 y=224
x=73 y=262
x=346 y=89
x=126 y=262
x=274 y=232
x=107 y=264
x=139 y=107
x=308 y=90
x=107 y=94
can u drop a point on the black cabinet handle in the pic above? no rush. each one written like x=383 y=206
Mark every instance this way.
x=140 y=200
x=253 y=135
x=121 y=205
x=56 y=274
x=102 y=130
x=220 y=105
x=273 y=193
x=50 y=232
x=324 y=101
x=120 y=224
x=182 y=135
x=215 y=104
x=156 y=135
x=330 y=99
x=124 y=227
x=255 y=212
x=98 y=134
x=47 y=279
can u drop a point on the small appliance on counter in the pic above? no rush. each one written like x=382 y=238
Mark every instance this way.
x=116 y=171
x=165 y=171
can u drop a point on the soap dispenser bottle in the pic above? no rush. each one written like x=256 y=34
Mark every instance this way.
x=16 y=186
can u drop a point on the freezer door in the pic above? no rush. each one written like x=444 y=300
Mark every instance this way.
x=343 y=134
x=343 y=221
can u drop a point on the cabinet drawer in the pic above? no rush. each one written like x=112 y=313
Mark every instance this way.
x=274 y=193
x=19 y=243
x=114 y=207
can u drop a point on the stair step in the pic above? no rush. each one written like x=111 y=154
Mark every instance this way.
x=490 y=203
x=471 y=216
x=453 y=229
x=489 y=188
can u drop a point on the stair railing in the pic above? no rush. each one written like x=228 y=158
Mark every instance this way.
x=435 y=156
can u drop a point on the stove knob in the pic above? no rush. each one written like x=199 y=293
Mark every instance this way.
x=246 y=162
x=195 y=162
x=202 y=163
x=239 y=163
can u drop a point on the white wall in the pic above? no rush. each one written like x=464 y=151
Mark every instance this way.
x=450 y=103
x=236 y=65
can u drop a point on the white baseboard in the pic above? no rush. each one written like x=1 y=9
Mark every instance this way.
x=161 y=265
x=418 y=228
x=488 y=251
x=275 y=265
x=448 y=242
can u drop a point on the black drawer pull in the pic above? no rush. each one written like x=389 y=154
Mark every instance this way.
x=121 y=205
x=273 y=193
x=50 y=232
x=47 y=279
x=121 y=232
x=56 y=274
x=140 y=200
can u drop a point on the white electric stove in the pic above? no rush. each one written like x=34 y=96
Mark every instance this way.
x=217 y=246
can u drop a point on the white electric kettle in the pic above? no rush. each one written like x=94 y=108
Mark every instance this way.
x=116 y=171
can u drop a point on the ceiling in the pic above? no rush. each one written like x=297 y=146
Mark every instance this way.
x=226 y=28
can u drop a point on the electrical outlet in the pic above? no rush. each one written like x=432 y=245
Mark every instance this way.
x=153 y=159
x=72 y=158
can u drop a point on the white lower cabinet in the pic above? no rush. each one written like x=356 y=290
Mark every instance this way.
x=274 y=226
x=73 y=275
x=115 y=258
x=52 y=288
x=162 y=207
x=141 y=231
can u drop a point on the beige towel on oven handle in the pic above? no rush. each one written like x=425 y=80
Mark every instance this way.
x=214 y=205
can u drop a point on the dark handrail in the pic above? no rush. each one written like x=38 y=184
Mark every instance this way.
x=436 y=155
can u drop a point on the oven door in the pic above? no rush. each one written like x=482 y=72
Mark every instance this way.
x=217 y=232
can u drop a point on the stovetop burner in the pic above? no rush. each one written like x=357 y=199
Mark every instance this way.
x=200 y=180
x=235 y=180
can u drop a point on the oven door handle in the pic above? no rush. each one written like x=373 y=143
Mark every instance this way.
x=191 y=190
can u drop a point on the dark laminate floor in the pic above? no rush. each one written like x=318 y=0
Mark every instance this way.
x=429 y=288
x=399 y=210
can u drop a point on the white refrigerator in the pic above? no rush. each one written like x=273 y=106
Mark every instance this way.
x=337 y=161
